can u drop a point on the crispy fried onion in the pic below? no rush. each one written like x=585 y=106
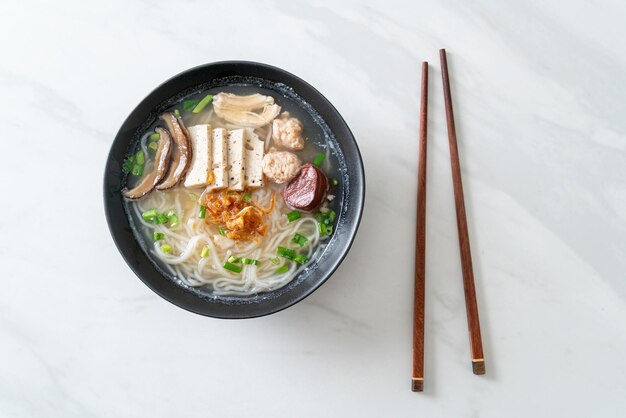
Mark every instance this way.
x=241 y=220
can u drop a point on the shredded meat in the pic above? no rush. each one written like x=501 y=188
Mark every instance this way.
x=242 y=220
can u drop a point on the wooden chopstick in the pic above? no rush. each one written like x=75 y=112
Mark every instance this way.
x=417 y=383
x=473 y=324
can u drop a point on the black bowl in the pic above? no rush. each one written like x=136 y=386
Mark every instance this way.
x=351 y=184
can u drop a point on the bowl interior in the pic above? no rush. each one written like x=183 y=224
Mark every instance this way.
x=346 y=165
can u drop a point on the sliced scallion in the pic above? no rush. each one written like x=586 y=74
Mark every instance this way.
x=319 y=159
x=247 y=197
x=222 y=231
x=293 y=216
x=301 y=259
x=150 y=215
x=232 y=267
x=177 y=112
x=190 y=104
x=162 y=219
x=203 y=103
x=205 y=252
x=155 y=136
x=158 y=236
x=287 y=253
x=233 y=259
x=282 y=269
x=153 y=146
x=275 y=260
x=172 y=217
x=299 y=239
x=129 y=163
x=137 y=170
x=166 y=248
x=140 y=158
x=202 y=213
x=250 y=261
x=334 y=182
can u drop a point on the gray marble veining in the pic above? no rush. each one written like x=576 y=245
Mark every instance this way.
x=539 y=95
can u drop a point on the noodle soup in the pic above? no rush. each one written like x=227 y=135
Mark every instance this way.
x=233 y=190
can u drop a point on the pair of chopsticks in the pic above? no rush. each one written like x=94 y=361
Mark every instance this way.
x=473 y=324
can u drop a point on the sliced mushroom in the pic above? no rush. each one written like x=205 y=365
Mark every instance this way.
x=243 y=110
x=161 y=164
x=181 y=155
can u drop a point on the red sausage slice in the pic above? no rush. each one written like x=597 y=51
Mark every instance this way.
x=307 y=190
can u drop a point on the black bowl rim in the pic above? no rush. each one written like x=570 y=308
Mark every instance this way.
x=359 y=195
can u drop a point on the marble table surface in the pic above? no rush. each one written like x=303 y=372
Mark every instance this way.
x=541 y=115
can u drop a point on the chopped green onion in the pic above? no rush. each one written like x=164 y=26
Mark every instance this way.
x=152 y=146
x=325 y=222
x=205 y=252
x=129 y=163
x=250 y=261
x=301 y=259
x=193 y=197
x=162 y=219
x=149 y=215
x=172 y=217
x=247 y=197
x=275 y=260
x=203 y=103
x=287 y=253
x=140 y=158
x=282 y=269
x=293 y=215
x=177 y=112
x=158 y=236
x=189 y=105
x=155 y=136
x=232 y=267
x=319 y=159
x=202 y=213
x=137 y=170
x=233 y=259
x=166 y=248
x=334 y=182
x=222 y=231
x=301 y=240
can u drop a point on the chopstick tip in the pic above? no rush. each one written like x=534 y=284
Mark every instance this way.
x=417 y=384
x=478 y=366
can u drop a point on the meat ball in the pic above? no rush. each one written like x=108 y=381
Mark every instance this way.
x=281 y=166
x=287 y=132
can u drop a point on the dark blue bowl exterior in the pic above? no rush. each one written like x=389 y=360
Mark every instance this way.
x=255 y=305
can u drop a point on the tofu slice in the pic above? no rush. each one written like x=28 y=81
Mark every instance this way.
x=219 y=179
x=200 y=169
x=236 y=156
x=253 y=173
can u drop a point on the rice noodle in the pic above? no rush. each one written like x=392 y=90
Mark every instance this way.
x=188 y=238
x=192 y=234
